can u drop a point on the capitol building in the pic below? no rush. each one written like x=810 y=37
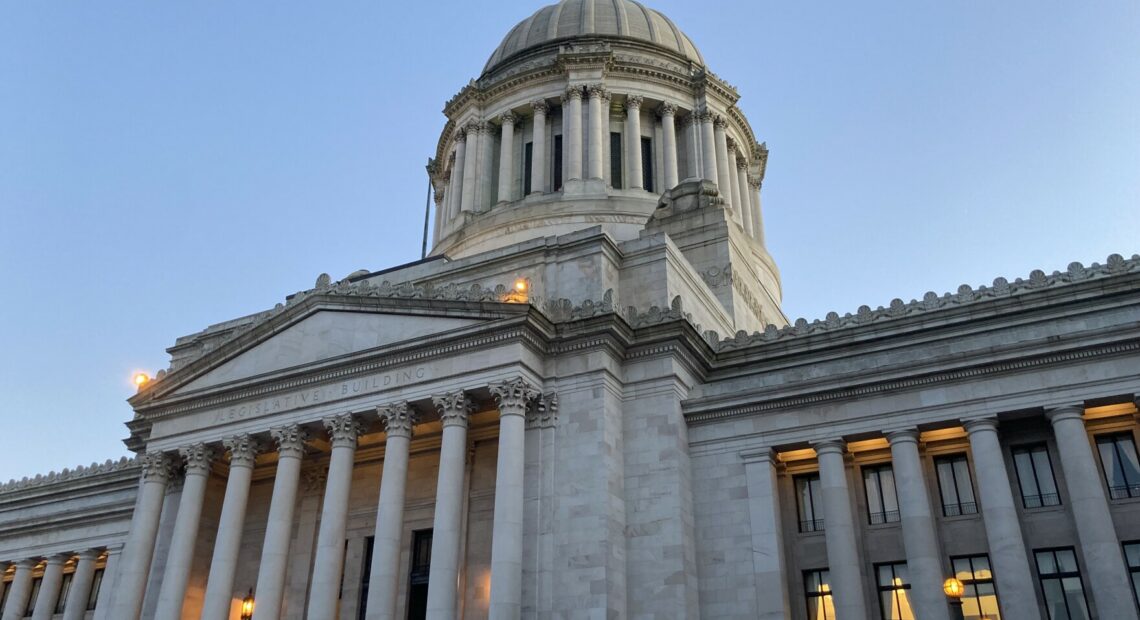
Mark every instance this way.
x=587 y=403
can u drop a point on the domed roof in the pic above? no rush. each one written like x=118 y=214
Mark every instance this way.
x=576 y=18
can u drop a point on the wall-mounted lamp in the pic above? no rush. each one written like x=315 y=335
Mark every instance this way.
x=247 y=606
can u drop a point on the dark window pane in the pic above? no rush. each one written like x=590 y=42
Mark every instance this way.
x=528 y=161
x=647 y=164
x=616 y=161
x=96 y=585
x=557 y=163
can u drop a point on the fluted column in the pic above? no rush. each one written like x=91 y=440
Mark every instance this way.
x=669 y=144
x=198 y=459
x=839 y=532
x=137 y=550
x=572 y=143
x=328 y=565
x=513 y=397
x=507 y=157
x=1008 y=556
x=398 y=419
x=633 y=169
x=443 y=582
x=598 y=116
x=470 y=157
x=1100 y=547
x=243 y=451
x=484 y=198
x=20 y=590
x=771 y=580
x=723 y=181
x=538 y=148
x=75 y=606
x=920 y=536
x=708 y=146
x=742 y=192
x=757 y=213
x=738 y=208
x=290 y=442
x=49 y=587
x=457 y=187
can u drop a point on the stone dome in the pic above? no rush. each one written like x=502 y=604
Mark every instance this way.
x=605 y=18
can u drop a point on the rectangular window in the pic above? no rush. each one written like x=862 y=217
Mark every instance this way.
x=418 y=577
x=882 y=501
x=1035 y=476
x=365 y=577
x=528 y=159
x=979 y=600
x=7 y=586
x=894 y=591
x=1061 y=584
x=31 y=608
x=647 y=164
x=810 y=503
x=817 y=589
x=955 y=487
x=64 y=587
x=1121 y=467
x=616 y=161
x=96 y=583
x=1132 y=558
x=557 y=163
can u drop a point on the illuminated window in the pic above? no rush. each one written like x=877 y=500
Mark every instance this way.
x=810 y=503
x=1061 y=584
x=1121 y=467
x=882 y=502
x=817 y=589
x=365 y=577
x=418 y=578
x=1132 y=557
x=954 y=485
x=979 y=600
x=1035 y=476
x=894 y=591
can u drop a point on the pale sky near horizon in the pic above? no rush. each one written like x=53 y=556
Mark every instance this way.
x=166 y=166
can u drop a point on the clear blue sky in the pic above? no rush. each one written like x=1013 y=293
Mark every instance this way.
x=164 y=165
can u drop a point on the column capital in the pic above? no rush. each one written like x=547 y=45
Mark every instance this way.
x=461 y=134
x=571 y=93
x=1066 y=412
x=633 y=102
x=398 y=418
x=720 y=122
x=454 y=408
x=667 y=109
x=290 y=440
x=543 y=411
x=513 y=395
x=243 y=449
x=508 y=118
x=829 y=446
x=753 y=182
x=91 y=554
x=156 y=467
x=197 y=458
x=437 y=196
x=58 y=558
x=540 y=106
x=760 y=455
x=704 y=116
x=978 y=425
x=741 y=164
x=343 y=430
x=27 y=563
x=597 y=90
x=903 y=435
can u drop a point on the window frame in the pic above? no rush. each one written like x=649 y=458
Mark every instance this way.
x=528 y=168
x=824 y=592
x=646 y=154
x=1059 y=576
x=815 y=523
x=1133 y=569
x=64 y=586
x=1042 y=499
x=96 y=586
x=1131 y=488
x=880 y=589
x=617 y=160
x=974 y=581
x=885 y=516
x=958 y=508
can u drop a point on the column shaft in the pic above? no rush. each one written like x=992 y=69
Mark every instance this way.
x=470 y=157
x=767 y=536
x=105 y=604
x=75 y=607
x=49 y=588
x=669 y=145
x=1096 y=532
x=538 y=148
x=742 y=192
x=484 y=199
x=572 y=143
x=708 y=147
x=130 y=585
x=455 y=189
x=1008 y=557
x=757 y=213
x=328 y=565
x=920 y=536
x=20 y=590
x=220 y=583
x=597 y=131
x=723 y=181
x=839 y=532
x=633 y=142
x=507 y=158
x=734 y=188
x=279 y=524
x=385 y=571
x=179 y=558
x=443 y=581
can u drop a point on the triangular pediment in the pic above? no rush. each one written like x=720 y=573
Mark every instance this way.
x=324 y=335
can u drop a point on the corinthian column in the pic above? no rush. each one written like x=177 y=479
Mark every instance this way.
x=398 y=420
x=598 y=116
x=290 y=442
x=920 y=538
x=771 y=580
x=49 y=587
x=75 y=607
x=757 y=214
x=329 y=564
x=839 y=531
x=243 y=451
x=708 y=146
x=734 y=184
x=1100 y=547
x=633 y=142
x=669 y=143
x=484 y=199
x=198 y=459
x=443 y=579
x=20 y=590
x=139 y=547
x=538 y=148
x=723 y=181
x=470 y=160
x=513 y=397
x=572 y=143
x=455 y=189
x=507 y=157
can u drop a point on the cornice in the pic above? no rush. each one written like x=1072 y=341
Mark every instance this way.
x=70 y=475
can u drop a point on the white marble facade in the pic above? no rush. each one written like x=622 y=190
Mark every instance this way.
x=594 y=407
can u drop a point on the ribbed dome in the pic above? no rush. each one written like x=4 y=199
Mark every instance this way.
x=575 y=18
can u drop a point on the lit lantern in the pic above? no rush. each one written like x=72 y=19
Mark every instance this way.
x=247 y=606
x=953 y=588
x=140 y=379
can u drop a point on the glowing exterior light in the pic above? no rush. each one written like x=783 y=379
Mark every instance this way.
x=141 y=379
x=520 y=285
x=247 y=606
x=953 y=588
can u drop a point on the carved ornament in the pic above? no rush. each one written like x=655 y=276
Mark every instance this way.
x=197 y=458
x=513 y=396
x=243 y=449
x=398 y=418
x=454 y=408
x=290 y=440
x=343 y=430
